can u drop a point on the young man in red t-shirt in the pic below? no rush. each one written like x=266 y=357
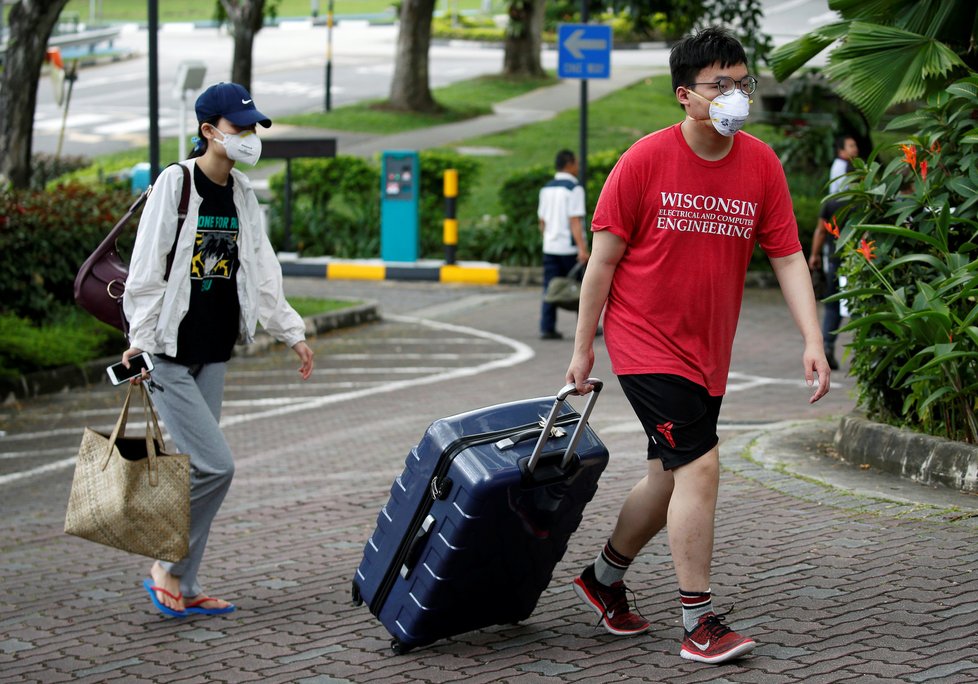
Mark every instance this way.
x=674 y=229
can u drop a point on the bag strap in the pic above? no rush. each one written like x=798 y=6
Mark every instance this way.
x=108 y=243
x=181 y=216
x=150 y=411
x=120 y=427
x=154 y=436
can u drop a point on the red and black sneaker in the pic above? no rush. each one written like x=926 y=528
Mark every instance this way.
x=714 y=642
x=610 y=603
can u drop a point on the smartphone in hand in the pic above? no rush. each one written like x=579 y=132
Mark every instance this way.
x=119 y=374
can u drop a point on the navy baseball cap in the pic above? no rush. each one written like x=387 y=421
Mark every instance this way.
x=231 y=101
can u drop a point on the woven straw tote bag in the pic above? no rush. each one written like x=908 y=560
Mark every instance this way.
x=128 y=493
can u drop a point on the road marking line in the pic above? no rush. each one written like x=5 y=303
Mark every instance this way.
x=629 y=427
x=35 y=452
x=57 y=465
x=521 y=353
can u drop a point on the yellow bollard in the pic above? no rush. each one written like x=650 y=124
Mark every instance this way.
x=450 y=230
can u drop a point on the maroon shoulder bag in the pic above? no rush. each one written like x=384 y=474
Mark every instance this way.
x=101 y=280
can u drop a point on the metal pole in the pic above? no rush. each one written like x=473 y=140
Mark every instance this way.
x=287 y=237
x=582 y=161
x=71 y=74
x=182 y=137
x=154 y=95
x=329 y=55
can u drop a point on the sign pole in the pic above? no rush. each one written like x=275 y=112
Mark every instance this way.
x=584 y=52
x=329 y=56
x=582 y=155
x=154 y=91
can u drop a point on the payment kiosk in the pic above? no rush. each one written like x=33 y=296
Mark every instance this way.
x=400 y=238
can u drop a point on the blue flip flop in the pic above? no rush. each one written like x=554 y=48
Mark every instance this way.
x=195 y=607
x=166 y=610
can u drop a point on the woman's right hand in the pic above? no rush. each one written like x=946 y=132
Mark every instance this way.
x=128 y=354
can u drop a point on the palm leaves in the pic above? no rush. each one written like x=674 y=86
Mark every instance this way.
x=889 y=51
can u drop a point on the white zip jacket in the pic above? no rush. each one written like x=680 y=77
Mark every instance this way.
x=155 y=307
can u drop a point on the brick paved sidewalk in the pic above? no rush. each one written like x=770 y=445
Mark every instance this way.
x=834 y=586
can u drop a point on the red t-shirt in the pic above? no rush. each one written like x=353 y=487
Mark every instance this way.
x=690 y=226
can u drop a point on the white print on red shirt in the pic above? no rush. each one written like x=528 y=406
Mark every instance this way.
x=709 y=214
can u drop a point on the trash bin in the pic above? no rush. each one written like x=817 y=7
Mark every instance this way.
x=139 y=177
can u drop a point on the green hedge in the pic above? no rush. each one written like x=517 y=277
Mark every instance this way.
x=336 y=204
x=72 y=340
x=514 y=238
x=45 y=237
x=335 y=208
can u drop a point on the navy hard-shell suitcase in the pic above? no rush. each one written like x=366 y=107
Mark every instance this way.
x=479 y=517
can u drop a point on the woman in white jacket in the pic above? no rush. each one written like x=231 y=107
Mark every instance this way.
x=223 y=281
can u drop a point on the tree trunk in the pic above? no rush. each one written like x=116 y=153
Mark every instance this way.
x=30 y=26
x=409 y=89
x=246 y=17
x=522 y=51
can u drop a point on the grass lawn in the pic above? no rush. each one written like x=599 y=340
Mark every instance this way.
x=76 y=338
x=311 y=306
x=614 y=123
x=194 y=10
x=457 y=98
x=462 y=100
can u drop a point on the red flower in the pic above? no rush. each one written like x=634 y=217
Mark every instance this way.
x=867 y=249
x=923 y=170
x=831 y=228
x=910 y=155
x=935 y=147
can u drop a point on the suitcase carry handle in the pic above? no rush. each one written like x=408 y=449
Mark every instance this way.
x=411 y=557
x=562 y=395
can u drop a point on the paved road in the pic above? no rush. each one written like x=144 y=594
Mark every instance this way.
x=835 y=587
x=109 y=105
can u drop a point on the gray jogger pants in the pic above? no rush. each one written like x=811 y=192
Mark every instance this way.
x=190 y=406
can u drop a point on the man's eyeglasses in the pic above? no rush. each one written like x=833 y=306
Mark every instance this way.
x=727 y=86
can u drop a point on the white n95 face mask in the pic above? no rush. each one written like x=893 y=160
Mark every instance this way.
x=728 y=113
x=243 y=147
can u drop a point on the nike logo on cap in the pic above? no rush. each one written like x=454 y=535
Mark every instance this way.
x=246 y=101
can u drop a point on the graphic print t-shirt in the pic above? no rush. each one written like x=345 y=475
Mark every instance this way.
x=210 y=328
x=690 y=226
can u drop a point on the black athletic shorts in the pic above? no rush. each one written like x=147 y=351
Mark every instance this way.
x=679 y=416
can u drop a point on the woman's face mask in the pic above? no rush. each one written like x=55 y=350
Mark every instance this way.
x=243 y=147
x=728 y=113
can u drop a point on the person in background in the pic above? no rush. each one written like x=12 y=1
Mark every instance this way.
x=822 y=255
x=561 y=211
x=224 y=280
x=673 y=234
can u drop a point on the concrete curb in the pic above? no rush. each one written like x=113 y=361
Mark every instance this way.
x=466 y=273
x=919 y=457
x=91 y=373
x=796 y=458
x=367 y=312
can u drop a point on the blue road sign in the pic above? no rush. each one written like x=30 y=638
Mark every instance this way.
x=583 y=51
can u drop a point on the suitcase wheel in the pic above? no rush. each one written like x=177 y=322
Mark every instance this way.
x=357 y=598
x=398 y=648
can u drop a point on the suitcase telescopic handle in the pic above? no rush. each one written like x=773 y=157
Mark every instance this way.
x=562 y=395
